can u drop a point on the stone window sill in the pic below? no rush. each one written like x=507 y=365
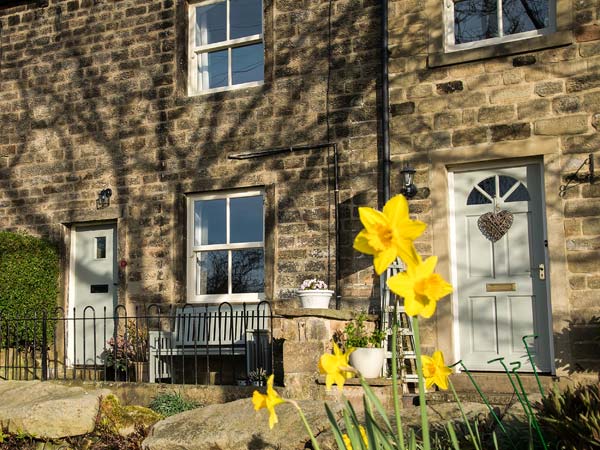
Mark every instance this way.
x=558 y=39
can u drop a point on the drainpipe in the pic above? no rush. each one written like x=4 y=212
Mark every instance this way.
x=386 y=162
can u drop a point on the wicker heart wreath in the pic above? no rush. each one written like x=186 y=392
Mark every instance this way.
x=495 y=225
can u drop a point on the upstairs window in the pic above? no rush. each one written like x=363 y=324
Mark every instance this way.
x=226 y=46
x=477 y=23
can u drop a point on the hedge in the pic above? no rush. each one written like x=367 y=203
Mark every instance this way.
x=29 y=268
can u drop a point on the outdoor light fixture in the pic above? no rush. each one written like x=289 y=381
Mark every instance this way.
x=408 y=189
x=577 y=178
x=103 y=199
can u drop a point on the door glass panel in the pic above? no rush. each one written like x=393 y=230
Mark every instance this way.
x=524 y=15
x=247 y=64
x=211 y=273
x=211 y=24
x=100 y=247
x=245 y=18
x=246 y=219
x=247 y=272
x=475 y=20
x=506 y=183
x=519 y=195
x=210 y=222
x=477 y=198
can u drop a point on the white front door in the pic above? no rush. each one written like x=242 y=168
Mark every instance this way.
x=500 y=266
x=92 y=291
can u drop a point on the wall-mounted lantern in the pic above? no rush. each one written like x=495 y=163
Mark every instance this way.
x=408 y=189
x=103 y=200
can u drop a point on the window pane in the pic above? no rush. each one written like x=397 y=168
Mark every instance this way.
x=519 y=195
x=489 y=186
x=211 y=24
x=475 y=20
x=506 y=183
x=210 y=222
x=211 y=273
x=524 y=15
x=246 y=219
x=247 y=64
x=247 y=272
x=246 y=18
x=101 y=247
x=212 y=68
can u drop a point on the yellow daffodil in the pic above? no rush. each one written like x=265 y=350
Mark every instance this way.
x=388 y=234
x=363 y=434
x=435 y=370
x=420 y=287
x=336 y=367
x=269 y=401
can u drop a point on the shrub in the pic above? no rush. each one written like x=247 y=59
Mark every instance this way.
x=29 y=270
x=171 y=403
x=571 y=419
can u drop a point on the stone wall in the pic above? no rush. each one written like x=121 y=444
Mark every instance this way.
x=542 y=103
x=92 y=95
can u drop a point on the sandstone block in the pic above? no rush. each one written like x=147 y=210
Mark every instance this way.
x=591 y=226
x=562 y=125
x=449 y=87
x=548 y=88
x=302 y=356
x=48 y=410
x=566 y=105
x=582 y=208
x=584 y=262
x=446 y=120
x=432 y=141
x=469 y=136
x=583 y=82
x=244 y=428
x=581 y=144
x=589 y=32
x=510 y=94
x=510 y=132
x=494 y=114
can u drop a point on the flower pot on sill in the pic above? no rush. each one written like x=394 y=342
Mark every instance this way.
x=315 y=298
x=368 y=361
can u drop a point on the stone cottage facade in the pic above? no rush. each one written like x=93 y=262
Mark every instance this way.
x=161 y=102
x=495 y=115
x=237 y=139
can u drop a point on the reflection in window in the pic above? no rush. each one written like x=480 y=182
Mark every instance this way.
x=509 y=189
x=247 y=271
x=228 y=245
x=227 y=43
x=477 y=20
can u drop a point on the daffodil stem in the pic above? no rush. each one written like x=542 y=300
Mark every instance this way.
x=422 y=404
x=399 y=429
x=462 y=413
x=306 y=425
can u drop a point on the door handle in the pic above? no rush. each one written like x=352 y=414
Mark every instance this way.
x=541 y=271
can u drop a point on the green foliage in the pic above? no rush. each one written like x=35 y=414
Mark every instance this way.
x=171 y=403
x=29 y=269
x=356 y=334
x=571 y=419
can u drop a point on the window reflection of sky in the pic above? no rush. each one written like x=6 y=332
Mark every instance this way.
x=476 y=20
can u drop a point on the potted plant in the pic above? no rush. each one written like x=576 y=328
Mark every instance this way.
x=257 y=377
x=313 y=293
x=368 y=355
x=117 y=359
x=137 y=334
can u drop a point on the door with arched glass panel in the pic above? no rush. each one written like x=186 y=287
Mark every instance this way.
x=500 y=262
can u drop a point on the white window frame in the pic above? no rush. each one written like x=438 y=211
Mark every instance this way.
x=450 y=46
x=194 y=52
x=193 y=250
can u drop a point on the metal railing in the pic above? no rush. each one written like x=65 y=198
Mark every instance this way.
x=182 y=344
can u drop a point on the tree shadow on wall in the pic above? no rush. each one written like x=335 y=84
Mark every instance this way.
x=577 y=346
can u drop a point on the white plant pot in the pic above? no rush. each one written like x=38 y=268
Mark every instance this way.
x=314 y=298
x=368 y=361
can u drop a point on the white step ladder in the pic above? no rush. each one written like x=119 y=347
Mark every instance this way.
x=407 y=369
